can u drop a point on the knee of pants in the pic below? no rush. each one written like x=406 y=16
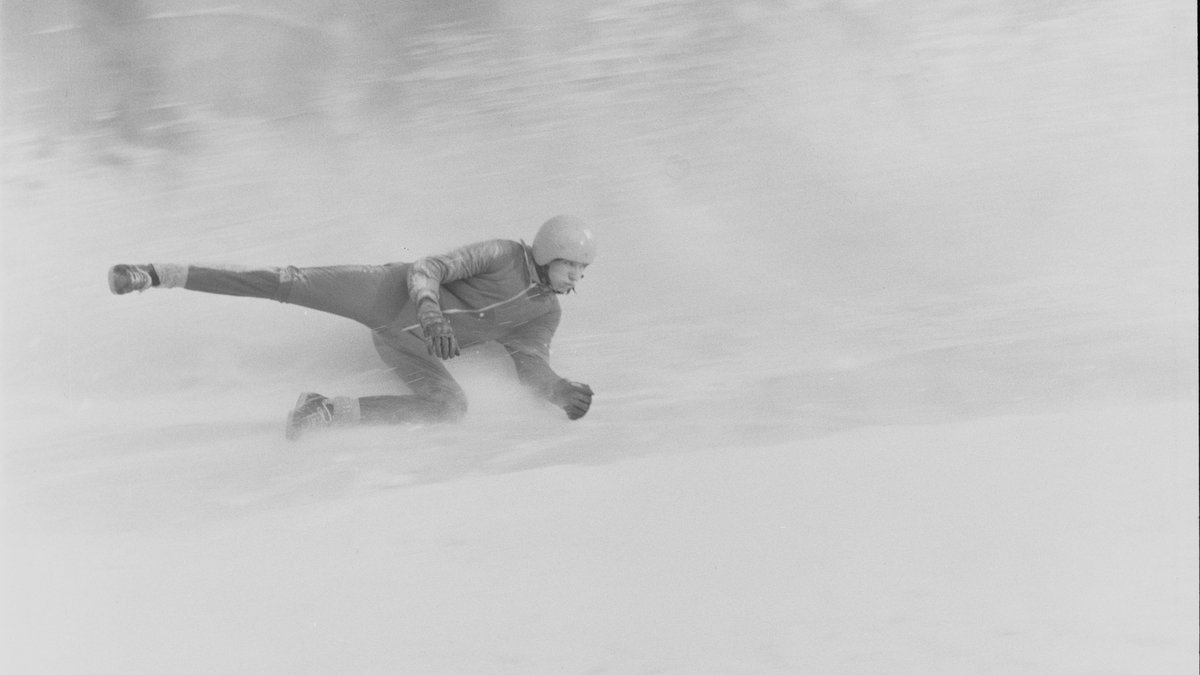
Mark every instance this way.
x=425 y=375
x=451 y=406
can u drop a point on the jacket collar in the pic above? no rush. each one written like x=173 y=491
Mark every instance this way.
x=535 y=279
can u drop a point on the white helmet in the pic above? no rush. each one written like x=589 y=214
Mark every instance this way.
x=565 y=237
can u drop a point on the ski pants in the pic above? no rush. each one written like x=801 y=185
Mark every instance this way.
x=373 y=295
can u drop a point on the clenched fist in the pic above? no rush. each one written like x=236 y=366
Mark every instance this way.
x=573 y=397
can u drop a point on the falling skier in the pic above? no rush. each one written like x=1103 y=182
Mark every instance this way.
x=420 y=314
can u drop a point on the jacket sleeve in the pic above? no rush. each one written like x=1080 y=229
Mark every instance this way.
x=426 y=275
x=529 y=347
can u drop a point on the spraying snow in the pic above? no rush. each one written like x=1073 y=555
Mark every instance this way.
x=892 y=333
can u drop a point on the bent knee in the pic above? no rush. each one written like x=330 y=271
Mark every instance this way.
x=450 y=407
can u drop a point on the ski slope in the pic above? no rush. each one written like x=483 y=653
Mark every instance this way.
x=880 y=387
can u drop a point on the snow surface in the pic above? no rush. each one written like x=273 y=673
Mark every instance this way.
x=887 y=382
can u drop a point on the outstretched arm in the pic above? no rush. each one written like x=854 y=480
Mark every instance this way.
x=530 y=352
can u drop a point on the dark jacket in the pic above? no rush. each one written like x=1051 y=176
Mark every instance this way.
x=490 y=291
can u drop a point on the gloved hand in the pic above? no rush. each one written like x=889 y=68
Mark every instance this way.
x=439 y=337
x=573 y=397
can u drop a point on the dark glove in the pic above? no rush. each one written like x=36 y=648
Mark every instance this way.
x=439 y=337
x=573 y=397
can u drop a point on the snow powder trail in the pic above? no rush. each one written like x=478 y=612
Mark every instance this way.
x=892 y=338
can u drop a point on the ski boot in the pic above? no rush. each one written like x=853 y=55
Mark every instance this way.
x=312 y=412
x=124 y=279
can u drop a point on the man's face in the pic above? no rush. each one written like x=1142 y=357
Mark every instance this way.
x=564 y=274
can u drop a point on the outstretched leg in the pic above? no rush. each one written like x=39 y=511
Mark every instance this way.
x=370 y=294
